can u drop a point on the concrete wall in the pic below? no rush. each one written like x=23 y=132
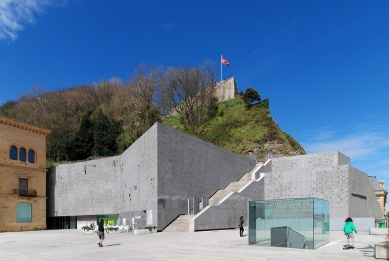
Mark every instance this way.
x=152 y=179
x=323 y=175
x=327 y=176
x=232 y=207
x=85 y=188
x=192 y=168
x=124 y=185
x=363 y=201
x=138 y=189
x=361 y=224
x=228 y=212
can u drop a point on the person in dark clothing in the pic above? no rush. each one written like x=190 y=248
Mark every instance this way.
x=101 y=229
x=241 y=229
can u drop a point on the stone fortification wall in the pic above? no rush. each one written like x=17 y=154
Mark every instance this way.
x=223 y=91
x=192 y=168
x=226 y=90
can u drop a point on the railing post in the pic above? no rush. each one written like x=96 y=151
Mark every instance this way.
x=196 y=202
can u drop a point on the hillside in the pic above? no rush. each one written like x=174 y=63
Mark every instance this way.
x=106 y=118
x=246 y=131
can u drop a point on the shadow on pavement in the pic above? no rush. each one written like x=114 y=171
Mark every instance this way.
x=112 y=245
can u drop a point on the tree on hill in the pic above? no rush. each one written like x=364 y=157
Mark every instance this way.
x=81 y=146
x=251 y=96
x=185 y=91
x=105 y=134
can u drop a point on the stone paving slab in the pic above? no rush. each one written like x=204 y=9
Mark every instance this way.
x=72 y=245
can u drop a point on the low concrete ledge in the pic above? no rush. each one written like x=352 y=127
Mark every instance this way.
x=381 y=251
x=378 y=231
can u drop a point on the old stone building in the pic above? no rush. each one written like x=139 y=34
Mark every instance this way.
x=22 y=175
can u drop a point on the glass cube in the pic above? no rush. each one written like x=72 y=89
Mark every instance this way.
x=295 y=223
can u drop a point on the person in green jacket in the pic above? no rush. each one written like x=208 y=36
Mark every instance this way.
x=348 y=231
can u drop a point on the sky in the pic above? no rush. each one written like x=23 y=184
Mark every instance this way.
x=324 y=65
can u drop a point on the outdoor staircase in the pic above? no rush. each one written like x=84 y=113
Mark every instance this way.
x=234 y=186
x=181 y=224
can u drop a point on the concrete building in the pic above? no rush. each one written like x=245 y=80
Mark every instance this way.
x=22 y=176
x=151 y=182
x=380 y=192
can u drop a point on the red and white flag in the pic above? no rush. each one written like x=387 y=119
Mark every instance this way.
x=224 y=61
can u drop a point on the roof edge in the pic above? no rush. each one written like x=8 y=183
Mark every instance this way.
x=24 y=126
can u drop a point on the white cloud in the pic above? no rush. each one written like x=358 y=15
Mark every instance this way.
x=15 y=14
x=366 y=144
x=357 y=146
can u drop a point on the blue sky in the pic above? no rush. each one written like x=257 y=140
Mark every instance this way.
x=323 y=64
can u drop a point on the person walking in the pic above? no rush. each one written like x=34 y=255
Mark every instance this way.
x=241 y=229
x=101 y=230
x=348 y=229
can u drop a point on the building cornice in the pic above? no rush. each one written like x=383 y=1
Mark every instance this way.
x=23 y=126
x=30 y=167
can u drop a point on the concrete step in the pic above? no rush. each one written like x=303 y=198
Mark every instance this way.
x=181 y=224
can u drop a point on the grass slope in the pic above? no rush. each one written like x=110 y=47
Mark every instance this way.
x=249 y=132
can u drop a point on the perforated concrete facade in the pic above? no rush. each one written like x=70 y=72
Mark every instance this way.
x=192 y=168
x=153 y=178
x=327 y=176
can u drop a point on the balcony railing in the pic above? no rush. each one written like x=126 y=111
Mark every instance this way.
x=25 y=192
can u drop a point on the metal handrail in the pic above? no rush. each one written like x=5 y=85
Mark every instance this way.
x=25 y=192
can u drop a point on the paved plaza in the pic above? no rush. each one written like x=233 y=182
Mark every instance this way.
x=208 y=245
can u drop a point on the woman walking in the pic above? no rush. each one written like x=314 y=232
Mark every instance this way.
x=241 y=229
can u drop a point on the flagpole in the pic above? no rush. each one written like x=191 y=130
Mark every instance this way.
x=221 y=68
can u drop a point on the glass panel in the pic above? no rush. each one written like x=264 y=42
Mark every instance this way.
x=22 y=154
x=109 y=220
x=23 y=212
x=292 y=223
x=23 y=184
x=31 y=156
x=73 y=223
x=13 y=154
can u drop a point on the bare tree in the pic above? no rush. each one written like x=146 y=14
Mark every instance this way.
x=188 y=91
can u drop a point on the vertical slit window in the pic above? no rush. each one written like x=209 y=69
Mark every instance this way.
x=22 y=154
x=31 y=156
x=13 y=153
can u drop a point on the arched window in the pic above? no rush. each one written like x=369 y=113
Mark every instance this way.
x=22 y=154
x=31 y=156
x=23 y=212
x=13 y=153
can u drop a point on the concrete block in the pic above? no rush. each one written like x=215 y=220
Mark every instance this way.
x=378 y=231
x=381 y=251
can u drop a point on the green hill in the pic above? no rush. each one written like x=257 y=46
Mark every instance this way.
x=246 y=131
